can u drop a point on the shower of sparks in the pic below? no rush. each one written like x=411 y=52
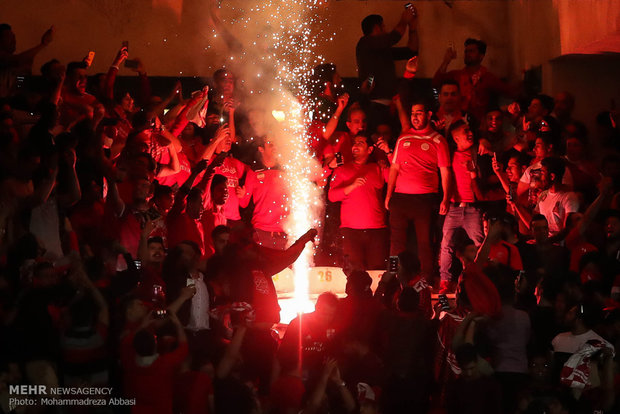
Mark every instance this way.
x=296 y=34
x=281 y=57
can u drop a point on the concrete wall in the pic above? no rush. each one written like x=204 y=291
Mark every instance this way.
x=173 y=36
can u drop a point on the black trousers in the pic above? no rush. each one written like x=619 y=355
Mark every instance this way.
x=421 y=210
x=366 y=249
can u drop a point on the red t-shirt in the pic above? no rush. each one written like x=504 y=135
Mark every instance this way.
x=463 y=189
x=182 y=227
x=419 y=154
x=180 y=177
x=192 y=392
x=340 y=141
x=211 y=218
x=233 y=169
x=152 y=386
x=269 y=192
x=363 y=207
x=506 y=254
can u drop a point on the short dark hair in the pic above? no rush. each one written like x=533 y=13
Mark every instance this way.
x=466 y=354
x=73 y=66
x=546 y=101
x=556 y=166
x=369 y=23
x=521 y=157
x=5 y=26
x=454 y=126
x=359 y=283
x=155 y=239
x=366 y=136
x=464 y=244
x=219 y=230
x=191 y=244
x=222 y=72
x=217 y=180
x=322 y=74
x=354 y=108
x=420 y=101
x=449 y=82
x=46 y=68
x=481 y=45
x=327 y=299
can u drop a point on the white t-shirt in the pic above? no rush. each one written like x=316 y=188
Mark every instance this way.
x=556 y=206
x=569 y=343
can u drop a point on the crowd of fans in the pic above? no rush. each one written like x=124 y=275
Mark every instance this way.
x=139 y=237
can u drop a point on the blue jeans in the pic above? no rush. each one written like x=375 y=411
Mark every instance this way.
x=468 y=218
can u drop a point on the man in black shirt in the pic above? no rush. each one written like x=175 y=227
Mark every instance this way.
x=376 y=55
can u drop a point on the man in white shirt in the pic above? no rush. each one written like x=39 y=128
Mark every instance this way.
x=581 y=318
x=555 y=202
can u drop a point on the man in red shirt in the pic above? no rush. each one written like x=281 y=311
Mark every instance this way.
x=233 y=170
x=449 y=106
x=463 y=211
x=476 y=83
x=413 y=185
x=268 y=190
x=341 y=142
x=183 y=220
x=359 y=185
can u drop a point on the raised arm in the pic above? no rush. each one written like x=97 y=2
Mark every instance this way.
x=332 y=124
x=113 y=71
x=25 y=58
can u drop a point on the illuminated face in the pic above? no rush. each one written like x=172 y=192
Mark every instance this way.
x=127 y=103
x=514 y=170
x=225 y=144
x=268 y=152
x=194 y=207
x=78 y=80
x=220 y=242
x=612 y=227
x=545 y=177
x=449 y=98
x=472 y=56
x=563 y=104
x=357 y=122
x=536 y=110
x=470 y=371
x=360 y=148
x=142 y=190
x=157 y=254
x=494 y=122
x=574 y=149
x=164 y=203
x=419 y=117
x=225 y=84
x=463 y=137
x=541 y=150
x=219 y=194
